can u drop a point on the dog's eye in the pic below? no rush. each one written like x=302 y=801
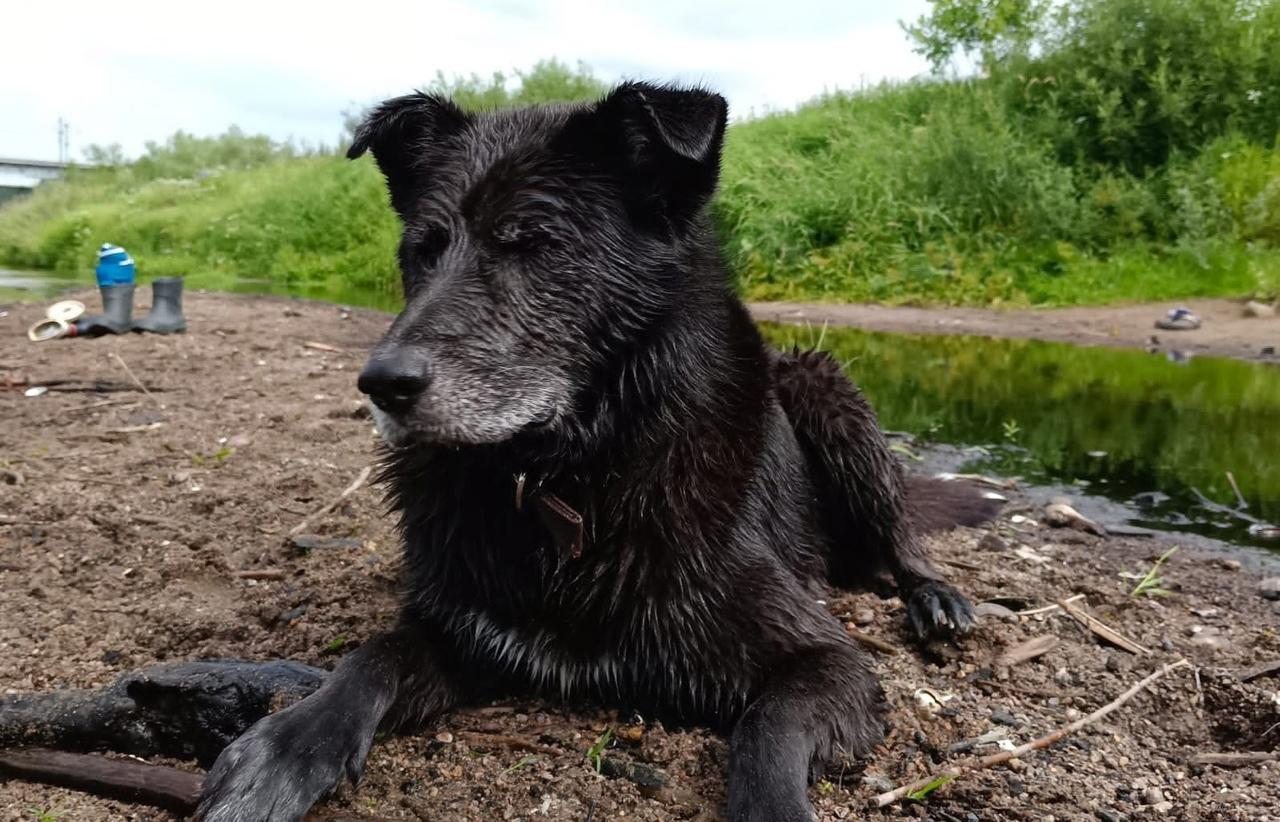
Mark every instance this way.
x=433 y=243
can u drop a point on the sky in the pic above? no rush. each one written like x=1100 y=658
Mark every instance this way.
x=128 y=72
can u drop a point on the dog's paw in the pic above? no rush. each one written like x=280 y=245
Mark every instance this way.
x=282 y=766
x=935 y=609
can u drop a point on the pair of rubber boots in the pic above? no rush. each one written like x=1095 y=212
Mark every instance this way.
x=117 y=310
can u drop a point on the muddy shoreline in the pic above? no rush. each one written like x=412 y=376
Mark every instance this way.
x=1225 y=331
x=137 y=528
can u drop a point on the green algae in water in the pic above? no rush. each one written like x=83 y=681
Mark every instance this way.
x=1119 y=423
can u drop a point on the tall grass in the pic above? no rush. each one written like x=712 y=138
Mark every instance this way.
x=930 y=192
x=1136 y=157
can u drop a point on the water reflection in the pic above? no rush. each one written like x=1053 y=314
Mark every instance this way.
x=1122 y=424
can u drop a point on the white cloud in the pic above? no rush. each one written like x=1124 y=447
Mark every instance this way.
x=129 y=72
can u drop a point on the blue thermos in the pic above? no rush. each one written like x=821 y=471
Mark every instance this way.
x=115 y=266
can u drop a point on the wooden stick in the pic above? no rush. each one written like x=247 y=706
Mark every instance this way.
x=319 y=346
x=348 y=491
x=134 y=377
x=123 y=402
x=889 y=797
x=1244 y=503
x=1265 y=669
x=1234 y=760
x=515 y=743
x=1050 y=608
x=260 y=573
x=1102 y=630
x=123 y=779
x=870 y=641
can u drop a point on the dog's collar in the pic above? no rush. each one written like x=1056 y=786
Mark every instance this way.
x=565 y=524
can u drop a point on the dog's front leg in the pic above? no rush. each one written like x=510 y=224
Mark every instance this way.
x=287 y=761
x=813 y=704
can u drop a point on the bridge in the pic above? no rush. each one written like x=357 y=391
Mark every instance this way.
x=20 y=176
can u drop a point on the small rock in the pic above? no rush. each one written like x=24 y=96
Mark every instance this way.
x=1269 y=588
x=1118 y=664
x=444 y=738
x=1258 y=310
x=1229 y=564
x=992 y=541
x=294 y=613
x=1149 y=499
x=1110 y=815
x=864 y=616
x=1152 y=796
x=1211 y=640
x=1002 y=717
x=877 y=783
x=1162 y=807
x=644 y=776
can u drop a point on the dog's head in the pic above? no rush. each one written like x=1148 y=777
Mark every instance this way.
x=538 y=244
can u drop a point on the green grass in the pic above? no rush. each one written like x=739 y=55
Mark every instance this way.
x=929 y=192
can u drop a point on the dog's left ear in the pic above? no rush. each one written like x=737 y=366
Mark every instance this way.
x=401 y=133
x=669 y=140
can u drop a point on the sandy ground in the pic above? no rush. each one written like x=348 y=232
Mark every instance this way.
x=1225 y=331
x=127 y=521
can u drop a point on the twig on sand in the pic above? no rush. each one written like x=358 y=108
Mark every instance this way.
x=514 y=743
x=870 y=641
x=134 y=377
x=260 y=573
x=1234 y=759
x=1050 y=608
x=1257 y=671
x=346 y=492
x=123 y=779
x=319 y=346
x=123 y=402
x=1243 y=503
x=1103 y=631
x=944 y=776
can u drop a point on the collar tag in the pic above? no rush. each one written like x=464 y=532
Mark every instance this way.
x=564 y=523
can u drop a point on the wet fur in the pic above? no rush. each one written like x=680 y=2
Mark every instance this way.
x=723 y=484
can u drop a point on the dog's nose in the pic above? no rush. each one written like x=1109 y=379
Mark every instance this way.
x=393 y=382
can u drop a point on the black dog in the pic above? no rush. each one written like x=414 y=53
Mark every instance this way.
x=609 y=487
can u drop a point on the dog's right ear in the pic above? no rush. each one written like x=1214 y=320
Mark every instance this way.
x=400 y=133
x=668 y=140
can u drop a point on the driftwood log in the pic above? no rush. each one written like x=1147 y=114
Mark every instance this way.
x=184 y=710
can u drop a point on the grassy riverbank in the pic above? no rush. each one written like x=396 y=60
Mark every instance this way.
x=1119 y=151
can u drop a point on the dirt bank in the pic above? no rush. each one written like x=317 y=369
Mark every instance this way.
x=1226 y=331
x=128 y=521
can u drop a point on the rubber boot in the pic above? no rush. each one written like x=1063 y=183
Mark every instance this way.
x=116 y=316
x=166 y=308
